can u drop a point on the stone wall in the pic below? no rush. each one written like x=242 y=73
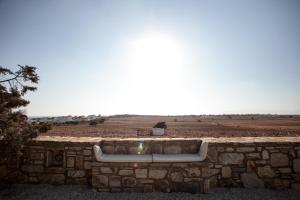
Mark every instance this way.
x=148 y=177
x=255 y=164
x=231 y=162
x=53 y=162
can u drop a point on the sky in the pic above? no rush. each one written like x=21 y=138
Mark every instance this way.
x=156 y=57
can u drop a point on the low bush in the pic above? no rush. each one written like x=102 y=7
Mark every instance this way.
x=160 y=125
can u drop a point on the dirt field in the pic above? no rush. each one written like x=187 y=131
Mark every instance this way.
x=186 y=126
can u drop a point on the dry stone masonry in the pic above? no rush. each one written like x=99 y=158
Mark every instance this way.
x=231 y=162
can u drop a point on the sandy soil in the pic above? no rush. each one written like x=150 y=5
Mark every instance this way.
x=188 y=126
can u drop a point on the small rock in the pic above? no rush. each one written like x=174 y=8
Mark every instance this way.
x=76 y=173
x=279 y=160
x=296 y=165
x=106 y=170
x=176 y=176
x=70 y=161
x=126 y=172
x=245 y=149
x=99 y=181
x=87 y=152
x=128 y=181
x=157 y=173
x=265 y=154
x=296 y=186
x=194 y=171
x=115 y=181
x=231 y=158
x=226 y=172
x=265 y=172
x=250 y=180
x=141 y=173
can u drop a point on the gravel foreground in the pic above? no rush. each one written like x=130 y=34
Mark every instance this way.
x=47 y=192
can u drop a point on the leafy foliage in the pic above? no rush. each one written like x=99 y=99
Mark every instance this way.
x=15 y=129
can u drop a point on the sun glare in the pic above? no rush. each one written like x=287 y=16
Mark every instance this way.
x=155 y=57
x=155 y=73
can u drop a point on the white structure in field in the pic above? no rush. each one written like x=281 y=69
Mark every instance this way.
x=158 y=131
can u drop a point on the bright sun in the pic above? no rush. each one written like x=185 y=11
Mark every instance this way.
x=154 y=74
x=155 y=55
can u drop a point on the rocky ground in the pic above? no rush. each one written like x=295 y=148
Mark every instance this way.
x=47 y=192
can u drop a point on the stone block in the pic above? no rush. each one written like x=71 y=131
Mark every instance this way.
x=148 y=188
x=32 y=168
x=36 y=156
x=226 y=172
x=157 y=173
x=279 y=160
x=115 y=181
x=265 y=172
x=126 y=172
x=279 y=184
x=38 y=162
x=205 y=171
x=79 y=162
x=231 y=158
x=87 y=165
x=141 y=173
x=106 y=170
x=265 y=155
x=253 y=156
x=99 y=181
x=193 y=172
x=285 y=170
x=71 y=153
x=70 y=161
x=56 y=179
x=295 y=186
x=87 y=152
x=33 y=179
x=145 y=181
x=188 y=187
x=251 y=167
x=162 y=186
x=128 y=182
x=76 y=173
x=250 y=180
x=259 y=148
x=213 y=172
x=245 y=149
x=192 y=179
x=75 y=148
x=176 y=177
x=296 y=165
x=229 y=149
x=212 y=154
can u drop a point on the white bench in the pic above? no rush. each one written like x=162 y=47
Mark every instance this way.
x=200 y=156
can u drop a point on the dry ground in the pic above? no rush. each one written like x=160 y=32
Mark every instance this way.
x=65 y=192
x=186 y=126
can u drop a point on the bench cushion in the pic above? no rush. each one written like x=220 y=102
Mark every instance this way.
x=125 y=158
x=176 y=158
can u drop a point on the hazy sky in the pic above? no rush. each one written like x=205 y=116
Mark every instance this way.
x=156 y=57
